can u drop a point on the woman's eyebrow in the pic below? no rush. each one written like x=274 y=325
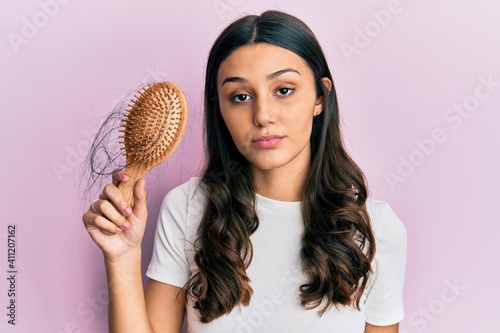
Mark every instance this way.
x=281 y=72
x=234 y=79
x=268 y=77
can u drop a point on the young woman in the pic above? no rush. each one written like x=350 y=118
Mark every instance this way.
x=277 y=235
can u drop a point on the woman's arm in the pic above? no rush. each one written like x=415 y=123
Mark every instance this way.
x=161 y=309
x=127 y=306
x=118 y=230
x=166 y=306
x=381 y=329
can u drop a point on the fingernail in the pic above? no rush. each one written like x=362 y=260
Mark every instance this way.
x=128 y=211
x=118 y=230
x=126 y=225
x=123 y=177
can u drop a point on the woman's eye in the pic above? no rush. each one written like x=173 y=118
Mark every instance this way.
x=285 y=91
x=240 y=98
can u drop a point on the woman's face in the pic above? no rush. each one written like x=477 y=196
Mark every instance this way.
x=267 y=98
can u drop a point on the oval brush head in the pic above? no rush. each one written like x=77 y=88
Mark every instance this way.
x=152 y=129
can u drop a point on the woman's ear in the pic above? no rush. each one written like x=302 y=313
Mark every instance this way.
x=320 y=101
x=327 y=83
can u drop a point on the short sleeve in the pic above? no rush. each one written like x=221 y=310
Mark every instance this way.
x=384 y=302
x=169 y=263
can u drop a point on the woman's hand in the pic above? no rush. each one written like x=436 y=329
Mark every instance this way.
x=114 y=225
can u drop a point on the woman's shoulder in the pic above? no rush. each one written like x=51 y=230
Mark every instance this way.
x=185 y=191
x=186 y=201
x=388 y=228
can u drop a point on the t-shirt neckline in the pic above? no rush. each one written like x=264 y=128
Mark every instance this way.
x=291 y=207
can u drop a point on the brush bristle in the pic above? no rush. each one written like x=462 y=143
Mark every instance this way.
x=153 y=124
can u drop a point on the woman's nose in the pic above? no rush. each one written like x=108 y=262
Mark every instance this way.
x=264 y=112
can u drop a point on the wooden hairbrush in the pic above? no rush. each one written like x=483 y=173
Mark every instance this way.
x=152 y=129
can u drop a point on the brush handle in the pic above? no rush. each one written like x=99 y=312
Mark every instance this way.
x=135 y=173
x=127 y=189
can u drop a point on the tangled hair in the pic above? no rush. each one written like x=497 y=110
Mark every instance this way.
x=338 y=243
x=105 y=155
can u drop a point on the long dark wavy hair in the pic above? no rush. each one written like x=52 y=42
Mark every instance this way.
x=338 y=243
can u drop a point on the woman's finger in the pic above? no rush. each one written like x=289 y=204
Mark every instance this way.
x=113 y=194
x=93 y=221
x=120 y=176
x=105 y=209
x=106 y=226
x=140 y=208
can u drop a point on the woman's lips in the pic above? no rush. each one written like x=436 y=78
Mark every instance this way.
x=267 y=141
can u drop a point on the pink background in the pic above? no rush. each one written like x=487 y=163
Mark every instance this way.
x=64 y=64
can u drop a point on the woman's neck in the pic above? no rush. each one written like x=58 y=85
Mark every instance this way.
x=279 y=185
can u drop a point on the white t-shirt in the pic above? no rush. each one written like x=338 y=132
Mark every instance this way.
x=275 y=272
